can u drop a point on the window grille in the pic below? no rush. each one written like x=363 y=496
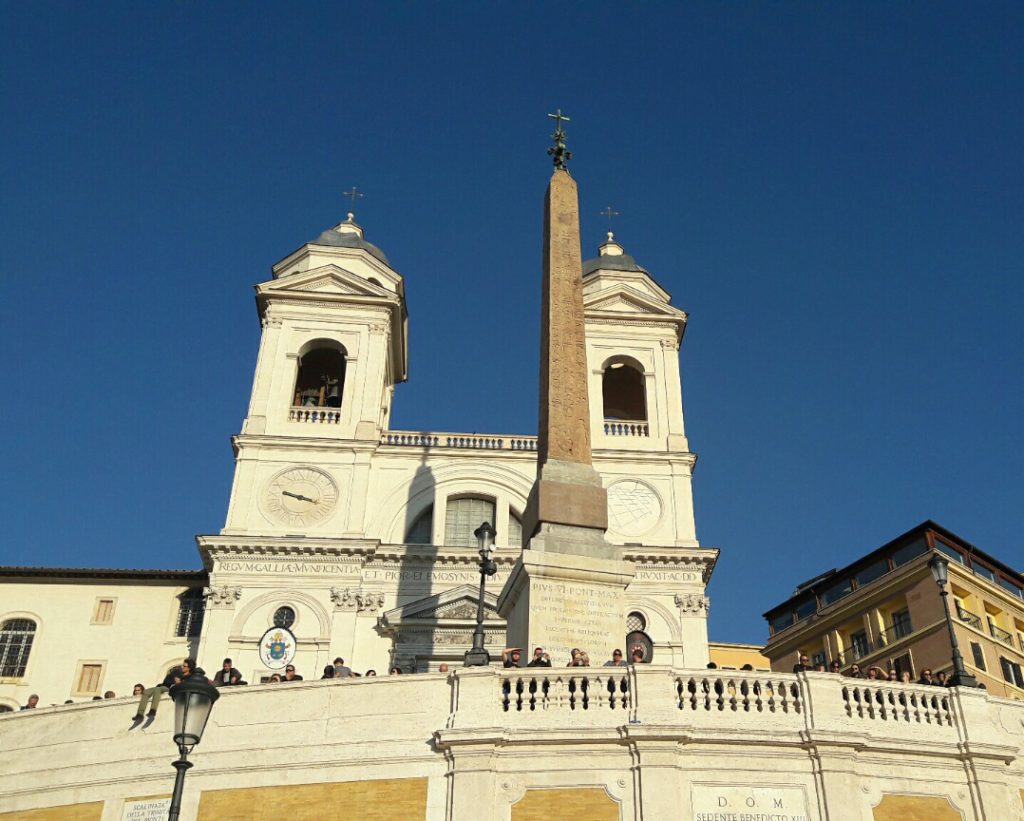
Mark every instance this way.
x=515 y=531
x=190 y=613
x=16 y=637
x=635 y=622
x=462 y=517
x=284 y=617
x=422 y=530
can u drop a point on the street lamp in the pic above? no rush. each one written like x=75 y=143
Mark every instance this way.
x=939 y=566
x=478 y=655
x=193 y=701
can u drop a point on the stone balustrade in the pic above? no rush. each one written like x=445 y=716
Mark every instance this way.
x=459 y=441
x=329 y=416
x=626 y=428
x=839 y=744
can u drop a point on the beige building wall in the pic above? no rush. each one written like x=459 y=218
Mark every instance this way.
x=136 y=642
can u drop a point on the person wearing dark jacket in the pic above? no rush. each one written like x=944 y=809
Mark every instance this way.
x=152 y=695
x=224 y=676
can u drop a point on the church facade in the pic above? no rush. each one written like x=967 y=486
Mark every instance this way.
x=359 y=538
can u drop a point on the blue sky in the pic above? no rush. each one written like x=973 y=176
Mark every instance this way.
x=835 y=192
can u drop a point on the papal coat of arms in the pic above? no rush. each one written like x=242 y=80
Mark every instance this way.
x=277 y=647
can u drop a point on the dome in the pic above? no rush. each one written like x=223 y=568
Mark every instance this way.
x=612 y=257
x=349 y=235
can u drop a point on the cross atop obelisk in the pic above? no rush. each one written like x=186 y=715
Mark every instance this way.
x=558 y=152
x=567 y=588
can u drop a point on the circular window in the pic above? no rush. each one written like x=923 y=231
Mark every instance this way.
x=635 y=622
x=284 y=617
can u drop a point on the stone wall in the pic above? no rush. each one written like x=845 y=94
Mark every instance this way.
x=504 y=745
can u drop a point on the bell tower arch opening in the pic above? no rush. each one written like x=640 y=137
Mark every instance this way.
x=623 y=392
x=320 y=377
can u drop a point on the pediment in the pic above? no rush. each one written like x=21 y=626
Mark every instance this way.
x=623 y=299
x=326 y=280
x=456 y=604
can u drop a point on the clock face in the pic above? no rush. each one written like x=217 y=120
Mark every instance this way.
x=633 y=507
x=300 y=496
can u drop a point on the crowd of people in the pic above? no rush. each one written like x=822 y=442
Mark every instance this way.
x=874 y=673
x=513 y=657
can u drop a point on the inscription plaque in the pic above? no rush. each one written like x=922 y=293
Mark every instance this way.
x=151 y=809
x=715 y=802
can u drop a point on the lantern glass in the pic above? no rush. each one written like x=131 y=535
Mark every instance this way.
x=485 y=539
x=193 y=701
x=940 y=569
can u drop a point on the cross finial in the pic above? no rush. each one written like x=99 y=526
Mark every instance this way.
x=558 y=152
x=610 y=215
x=353 y=195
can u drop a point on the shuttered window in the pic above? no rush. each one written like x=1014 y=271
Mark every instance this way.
x=462 y=517
x=88 y=679
x=103 y=612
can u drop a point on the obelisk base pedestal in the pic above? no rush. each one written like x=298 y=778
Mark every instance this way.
x=559 y=601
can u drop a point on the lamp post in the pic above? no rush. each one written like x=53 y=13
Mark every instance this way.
x=478 y=656
x=939 y=566
x=193 y=701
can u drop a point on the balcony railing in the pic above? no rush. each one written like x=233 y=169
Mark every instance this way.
x=459 y=441
x=1000 y=634
x=968 y=617
x=624 y=427
x=899 y=630
x=309 y=413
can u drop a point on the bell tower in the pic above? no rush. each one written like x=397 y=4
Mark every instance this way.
x=333 y=347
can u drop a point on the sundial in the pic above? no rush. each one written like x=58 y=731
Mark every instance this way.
x=633 y=507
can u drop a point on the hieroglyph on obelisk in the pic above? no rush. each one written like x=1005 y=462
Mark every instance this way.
x=567 y=588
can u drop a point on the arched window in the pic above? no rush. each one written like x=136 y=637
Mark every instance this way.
x=16 y=637
x=515 y=530
x=463 y=516
x=191 y=605
x=622 y=389
x=320 y=382
x=421 y=531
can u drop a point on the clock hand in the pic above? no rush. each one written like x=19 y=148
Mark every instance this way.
x=298 y=496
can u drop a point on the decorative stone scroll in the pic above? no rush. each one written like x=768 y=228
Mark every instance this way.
x=224 y=596
x=693 y=603
x=348 y=599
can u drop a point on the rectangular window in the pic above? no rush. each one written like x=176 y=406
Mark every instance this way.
x=836 y=592
x=818 y=658
x=462 y=517
x=872 y=572
x=901 y=624
x=859 y=645
x=103 y=612
x=979 y=656
x=902 y=664
x=87 y=682
x=909 y=552
x=1012 y=587
x=806 y=608
x=953 y=553
x=1011 y=672
x=781 y=622
x=190 y=613
x=982 y=571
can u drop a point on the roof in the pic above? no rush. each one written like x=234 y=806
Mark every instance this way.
x=612 y=262
x=104 y=573
x=349 y=240
x=816 y=584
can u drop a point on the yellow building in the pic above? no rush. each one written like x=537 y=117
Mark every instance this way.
x=885 y=610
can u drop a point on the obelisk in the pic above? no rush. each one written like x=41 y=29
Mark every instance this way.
x=567 y=588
